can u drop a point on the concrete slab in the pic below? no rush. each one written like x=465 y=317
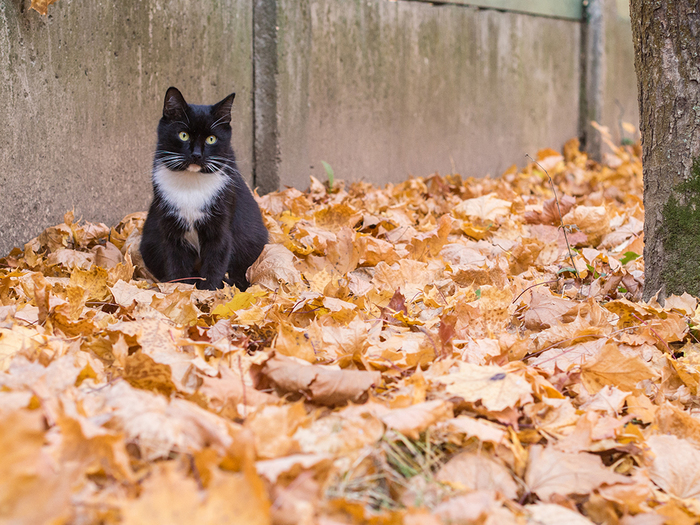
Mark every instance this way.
x=381 y=90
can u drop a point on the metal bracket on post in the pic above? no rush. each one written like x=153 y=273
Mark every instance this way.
x=266 y=160
x=592 y=76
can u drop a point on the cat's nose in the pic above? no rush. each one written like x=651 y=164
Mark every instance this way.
x=197 y=153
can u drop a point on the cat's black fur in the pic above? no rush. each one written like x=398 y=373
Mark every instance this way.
x=214 y=202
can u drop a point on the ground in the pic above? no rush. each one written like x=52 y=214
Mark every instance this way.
x=436 y=351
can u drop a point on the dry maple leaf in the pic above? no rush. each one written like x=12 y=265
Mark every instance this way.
x=551 y=472
x=482 y=429
x=674 y=466
x=170 y=497
x=413 y=420
x=474 y=471
x=551 y=514
x=488 y=207
x=274 y=426
x=469 y=508
x=321 y=384
x=340 y=434
x=274 y=266
x=614 y=368
x=493 y=386
x=546 y=310
x=31 y=489
x=272 y=469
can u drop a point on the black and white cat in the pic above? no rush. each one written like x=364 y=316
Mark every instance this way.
x=203 y=222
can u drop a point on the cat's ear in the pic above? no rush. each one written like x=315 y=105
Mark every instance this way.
x=222 y=110
x=175 y=105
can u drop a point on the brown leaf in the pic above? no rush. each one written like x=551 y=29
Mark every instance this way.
x=469 y=508
x=274 y=266
x=594 y=221
x=482 y=429
x=230 y=389
x=321 y=384
x=372 y=251
x=142 y=371
x=159 y=426
x=170 y=497
x=474 y=471
x=294 y=342
x=674 y=466
x=551 y=514
x=545 y=310
x=178 y=306
x=407 y=276
x=272 y=469
x=614 y=368
x=413 y=420
x=551 y=472
x=31 y=489
x=550 y=212
x=274 y=427
x=125 y=294
x=340 y=433
x=488 y=208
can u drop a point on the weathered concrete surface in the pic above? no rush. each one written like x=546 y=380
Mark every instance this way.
x=620 y=85
x=81 y=92
x=381 y=90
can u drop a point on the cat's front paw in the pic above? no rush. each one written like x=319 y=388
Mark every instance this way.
x=207 y=284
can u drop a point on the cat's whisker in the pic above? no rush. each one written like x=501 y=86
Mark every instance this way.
x=220 y=166
x=219 y=121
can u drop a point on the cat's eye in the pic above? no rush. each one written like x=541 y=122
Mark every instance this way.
x=211 y=139
x=184 y=136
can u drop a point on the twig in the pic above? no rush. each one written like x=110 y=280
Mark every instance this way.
x=561 y=219
x=645 y=323
x=530 y=287
x=184 y=279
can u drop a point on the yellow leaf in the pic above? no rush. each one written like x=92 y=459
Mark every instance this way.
x=240 y=301
x=93 y=281
x=615 y=369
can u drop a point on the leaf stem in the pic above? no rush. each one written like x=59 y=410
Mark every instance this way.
x=561 y=219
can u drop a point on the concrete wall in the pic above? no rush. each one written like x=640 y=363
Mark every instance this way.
x=81 y=92
x=380 y=89
x=620 y=81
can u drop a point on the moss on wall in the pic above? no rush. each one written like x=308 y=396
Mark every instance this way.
x=681 y=236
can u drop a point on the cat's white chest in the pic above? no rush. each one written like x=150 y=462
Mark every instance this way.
x=188 y=193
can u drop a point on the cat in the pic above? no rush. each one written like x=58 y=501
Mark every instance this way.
x=203 y=226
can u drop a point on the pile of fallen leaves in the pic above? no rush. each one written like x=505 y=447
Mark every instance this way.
x=431 y=352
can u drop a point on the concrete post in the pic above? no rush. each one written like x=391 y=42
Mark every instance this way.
x=266 y=158
x=592 y=76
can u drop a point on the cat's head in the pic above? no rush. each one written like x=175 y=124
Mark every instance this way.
x=194 y=138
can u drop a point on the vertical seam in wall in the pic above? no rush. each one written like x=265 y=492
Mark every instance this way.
x=583 y=91
x=265 y=131
x=592 y=68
